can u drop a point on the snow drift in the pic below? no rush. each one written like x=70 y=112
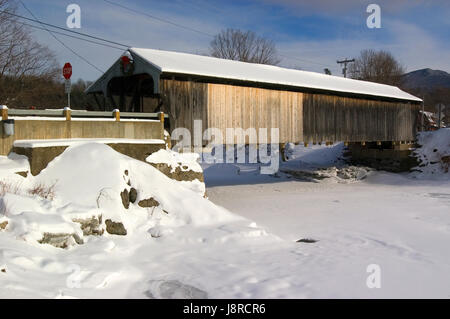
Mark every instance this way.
x=176 y=243
x=433 y=154
x=89 y=181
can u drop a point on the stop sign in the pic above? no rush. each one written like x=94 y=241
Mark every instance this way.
x=67 y=70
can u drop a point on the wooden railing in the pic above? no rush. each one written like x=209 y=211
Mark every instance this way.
x=68 y=114
x=19 y=124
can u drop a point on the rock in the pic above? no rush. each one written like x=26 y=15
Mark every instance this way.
x=90 y=226
x=133 y=195
x=3 y=225
x=178 y=173
x=3 y=270
x=304 y=174
x=125 y=198
x=150 y=202
x=61 y=240
x=23 y=174
x=307 y=241
x=115 y=228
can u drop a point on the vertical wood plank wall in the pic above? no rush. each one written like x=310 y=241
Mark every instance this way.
x=334 y=118
x=299 y=116
x=184 y=101
x=225 y=106
x=247 y=107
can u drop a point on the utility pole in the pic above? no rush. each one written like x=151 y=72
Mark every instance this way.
x=423 y=113
x=345 y=62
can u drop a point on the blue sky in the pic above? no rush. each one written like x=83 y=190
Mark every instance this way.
x=310 y=35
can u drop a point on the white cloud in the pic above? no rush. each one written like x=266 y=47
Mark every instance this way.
x=409 y=42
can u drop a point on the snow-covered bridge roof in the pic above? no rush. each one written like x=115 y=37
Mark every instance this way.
x=184 y=63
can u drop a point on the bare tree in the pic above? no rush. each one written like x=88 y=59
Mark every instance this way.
x=377 y=66
x=243 y=46
x=20 y=55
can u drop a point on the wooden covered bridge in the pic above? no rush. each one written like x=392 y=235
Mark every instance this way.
x=305 y=106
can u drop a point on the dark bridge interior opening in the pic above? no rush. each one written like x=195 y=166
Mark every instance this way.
x=133 y=94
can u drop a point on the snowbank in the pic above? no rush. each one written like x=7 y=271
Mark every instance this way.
x=89 y=181
x=433 y=154
x=176 y=243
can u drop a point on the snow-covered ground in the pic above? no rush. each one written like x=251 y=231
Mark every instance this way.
x=400 y=222
x=190 y=246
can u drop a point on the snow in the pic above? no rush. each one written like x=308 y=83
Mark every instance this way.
x=434 y=145
x=186 y=161
x=184 y=63
x=13 y=163
x=241 y=243
x=74 y=141
x=396 y=221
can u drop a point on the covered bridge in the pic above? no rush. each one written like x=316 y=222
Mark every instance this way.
x=305 y=106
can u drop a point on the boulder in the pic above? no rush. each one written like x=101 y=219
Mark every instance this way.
x=115 y=228
x=132 y=195
x=3 y=225
x=125 y=198
x=23 y=174
x=178 y=173
x=150 y=202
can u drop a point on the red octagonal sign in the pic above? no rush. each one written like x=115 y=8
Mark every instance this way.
x=67 y=70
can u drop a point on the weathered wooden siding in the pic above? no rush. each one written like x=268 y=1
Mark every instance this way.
x=333 y=118
x=184 y=101
x=225 y=106
x=298 y=116
x=248 y=107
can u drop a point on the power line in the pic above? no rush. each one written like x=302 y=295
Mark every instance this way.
x=64 y=29
x=61 y=42
x=70 y=36
x=157 y=18
x=194 y=30
x=125 y=46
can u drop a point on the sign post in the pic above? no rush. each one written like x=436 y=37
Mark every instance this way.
x=67 y=73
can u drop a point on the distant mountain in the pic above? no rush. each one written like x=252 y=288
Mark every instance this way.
x=426 y=79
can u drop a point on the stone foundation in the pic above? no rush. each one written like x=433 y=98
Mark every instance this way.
x=387 y=157
x=39 y=157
